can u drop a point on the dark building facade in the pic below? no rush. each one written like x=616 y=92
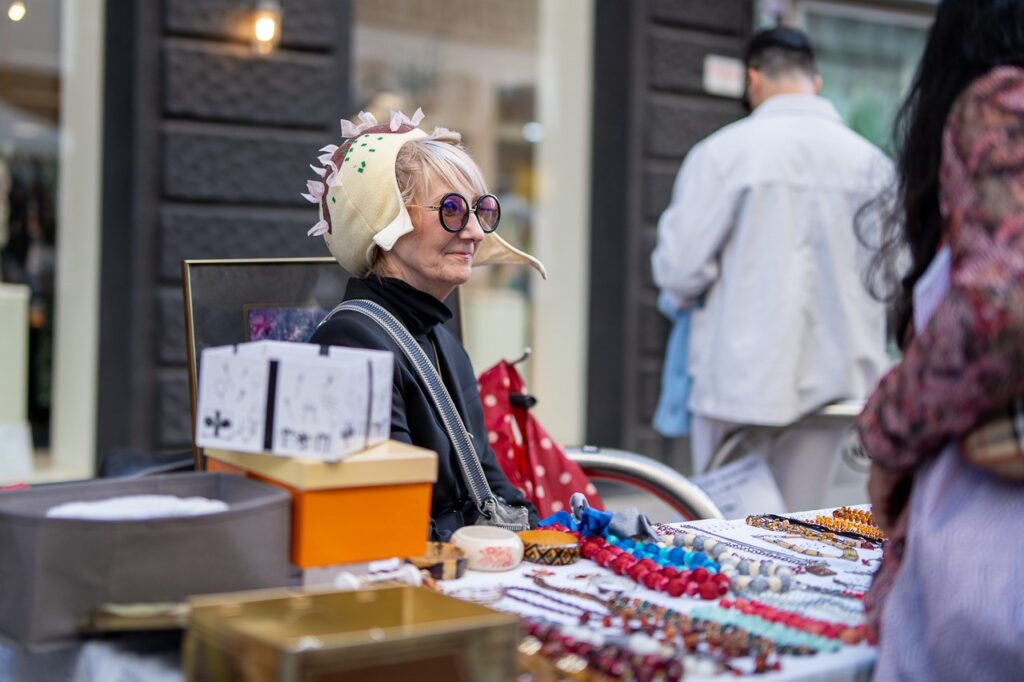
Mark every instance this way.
x=650 y=107
x=207 y=146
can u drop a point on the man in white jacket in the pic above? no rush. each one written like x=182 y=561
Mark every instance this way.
x=760 y=240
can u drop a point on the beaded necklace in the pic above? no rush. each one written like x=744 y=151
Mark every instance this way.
x=573 y=656
x=797 y=621
x=783 y=525
x=664 y=554
x=651 y=618
x=859 y=515
x=845 y=530
x=794 y=601
x=646 y=616
x=717 y=548
x=845 y=594
x=649 y=573
x=851 y=527
x=744 y=574
x=786 y=638
x=751 y=549
x=855 y=586
x=511 y=590
x=849 y=553
x=803 y=564
x=584 y=614
x=578 y=653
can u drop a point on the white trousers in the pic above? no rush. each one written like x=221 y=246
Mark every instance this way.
x=803 y=459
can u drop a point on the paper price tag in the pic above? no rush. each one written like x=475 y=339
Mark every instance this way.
x=743 y=487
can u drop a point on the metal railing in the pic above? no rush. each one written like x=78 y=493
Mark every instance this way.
x=647 y=474
x=840 y=414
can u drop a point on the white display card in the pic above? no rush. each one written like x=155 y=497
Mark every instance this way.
x=232 y=404
x=294 y=399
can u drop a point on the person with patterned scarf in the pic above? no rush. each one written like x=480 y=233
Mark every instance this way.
x=948 y=600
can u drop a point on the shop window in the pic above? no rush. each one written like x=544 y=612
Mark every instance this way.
x=514 y=77
x=29 y=152
x=867 y=59
x=51 y=89
x=472 y=66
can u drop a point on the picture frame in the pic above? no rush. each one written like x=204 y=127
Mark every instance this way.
x=229 y=301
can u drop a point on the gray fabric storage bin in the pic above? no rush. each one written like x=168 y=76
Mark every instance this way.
x=55 y=571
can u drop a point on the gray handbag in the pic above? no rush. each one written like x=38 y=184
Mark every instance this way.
x=493 y=510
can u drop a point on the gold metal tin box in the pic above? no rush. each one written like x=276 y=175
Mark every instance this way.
x=383 y=634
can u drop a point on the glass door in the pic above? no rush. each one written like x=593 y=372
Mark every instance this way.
x=51 y=89
x=513 y=77
x=867 y=59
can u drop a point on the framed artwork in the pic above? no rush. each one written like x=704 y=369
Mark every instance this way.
x=238 y=300
x=282 y=322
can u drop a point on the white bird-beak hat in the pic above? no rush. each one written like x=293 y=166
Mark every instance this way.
x=360 y=201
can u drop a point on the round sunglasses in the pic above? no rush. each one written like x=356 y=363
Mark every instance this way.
x=453 y=212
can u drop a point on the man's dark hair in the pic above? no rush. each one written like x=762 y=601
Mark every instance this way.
x=780 y=50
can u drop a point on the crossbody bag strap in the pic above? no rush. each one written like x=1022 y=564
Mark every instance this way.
x=473 y=473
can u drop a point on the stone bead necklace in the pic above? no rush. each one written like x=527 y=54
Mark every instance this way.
x=796 y=601
x=847 y=634
x=785 y=637
x=744 y=574
x=702 y=537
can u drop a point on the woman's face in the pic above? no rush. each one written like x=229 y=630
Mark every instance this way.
x=430 y=258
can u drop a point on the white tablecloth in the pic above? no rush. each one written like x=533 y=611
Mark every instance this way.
x=849 y=663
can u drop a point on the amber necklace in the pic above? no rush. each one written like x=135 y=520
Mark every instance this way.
x=859 y=515
x=781 y=525
x=842 y=525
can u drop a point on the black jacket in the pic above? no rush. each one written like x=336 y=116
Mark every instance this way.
x=413 y=417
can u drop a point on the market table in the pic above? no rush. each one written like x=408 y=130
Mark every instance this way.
x=849 y=663
x=157 y=658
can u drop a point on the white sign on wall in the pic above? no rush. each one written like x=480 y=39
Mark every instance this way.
x=724 y=76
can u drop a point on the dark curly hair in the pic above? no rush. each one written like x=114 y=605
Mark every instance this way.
x=967 y=39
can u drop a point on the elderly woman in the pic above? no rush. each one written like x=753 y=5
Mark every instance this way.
x=408 y=214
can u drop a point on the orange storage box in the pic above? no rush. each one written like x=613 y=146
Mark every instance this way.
x=372 y=505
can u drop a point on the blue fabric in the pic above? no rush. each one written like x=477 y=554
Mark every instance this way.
x=672 y=418
x=594 y=522
x=562 y=518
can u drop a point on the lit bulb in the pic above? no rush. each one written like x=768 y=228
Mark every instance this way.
x=266 y=27
x=16 y=12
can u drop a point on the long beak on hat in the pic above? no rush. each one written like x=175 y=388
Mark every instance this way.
x=495 y=250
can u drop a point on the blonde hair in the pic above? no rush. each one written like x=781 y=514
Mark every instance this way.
x=439 y=156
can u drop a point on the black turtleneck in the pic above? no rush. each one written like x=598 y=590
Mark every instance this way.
x=413 y=416
x=417 y=310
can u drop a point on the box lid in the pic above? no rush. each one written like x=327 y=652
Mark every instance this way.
x=390 y=463
x=374 y=617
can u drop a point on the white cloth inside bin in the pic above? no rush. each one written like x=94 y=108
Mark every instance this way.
x=134 y=507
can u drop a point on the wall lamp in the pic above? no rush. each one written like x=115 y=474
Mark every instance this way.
x=266 y=26
x=16 y=10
